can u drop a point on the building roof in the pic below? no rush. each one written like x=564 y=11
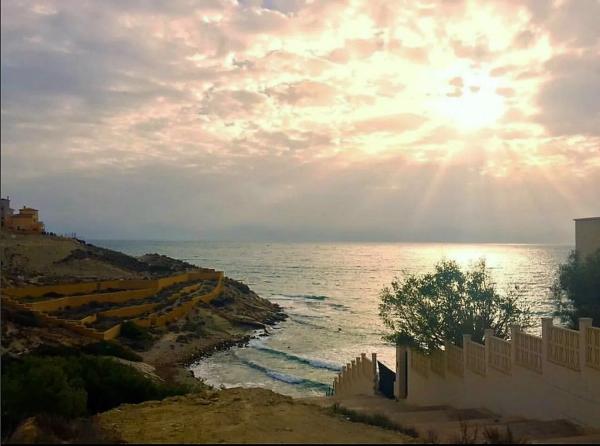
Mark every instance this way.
x=28 y=209
x=586 y=218
x=22 y=216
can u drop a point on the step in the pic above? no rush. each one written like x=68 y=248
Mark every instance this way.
x=541 y=430
x=451 y=431
x=371 y=404
x=436 y=416
x=579 y=439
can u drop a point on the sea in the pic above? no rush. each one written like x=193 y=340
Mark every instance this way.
x=331 y=293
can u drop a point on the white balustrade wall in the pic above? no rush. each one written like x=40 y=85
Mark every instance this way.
x=555 y=376
x=358 y=377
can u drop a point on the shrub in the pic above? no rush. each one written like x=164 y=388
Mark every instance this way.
x=423 y=311
x=111 y=348
x=376 y=419
x=100 y=348
x=72 y=386
x=576 y=289
x=138 y=338
x=40 y=385
x=26 y=318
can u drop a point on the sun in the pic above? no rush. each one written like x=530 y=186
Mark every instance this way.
x=472 y=105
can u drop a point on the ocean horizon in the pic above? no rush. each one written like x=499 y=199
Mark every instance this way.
x=330 y=292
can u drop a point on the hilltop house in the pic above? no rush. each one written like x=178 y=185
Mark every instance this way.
x=27 y=220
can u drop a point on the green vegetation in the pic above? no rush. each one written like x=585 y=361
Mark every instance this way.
x=496 y=436
x=111 y=348
x=423 y=311
x=100 y=348
x=374 y=420
x=72 y=386
x=136 y=337
x=576 y=289
x=26 y=318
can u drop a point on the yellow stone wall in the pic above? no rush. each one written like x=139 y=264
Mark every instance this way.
x=134 y=310
x=158 y=320
x=134 y=292
x=78 y=301
x=78 y=288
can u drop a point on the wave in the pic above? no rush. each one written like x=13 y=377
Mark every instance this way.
x=310 y=324
x=283 y=377
x=315 y=363
x=340 y=307
x=299 y=296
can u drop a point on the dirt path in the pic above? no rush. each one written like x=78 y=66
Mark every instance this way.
x=237 y=416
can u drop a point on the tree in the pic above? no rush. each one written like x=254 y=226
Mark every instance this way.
x=424 y=311
x=576 y=289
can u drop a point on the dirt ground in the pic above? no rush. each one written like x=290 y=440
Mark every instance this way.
x=237 y=416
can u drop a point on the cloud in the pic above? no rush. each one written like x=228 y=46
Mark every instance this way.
x=303 y=93
x=230 y=103
x=294 y=119
x=569 y=101
x=396 y=123
x=505 y=91
x=477 y=51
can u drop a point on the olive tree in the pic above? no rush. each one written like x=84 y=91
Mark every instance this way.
x=423 y=311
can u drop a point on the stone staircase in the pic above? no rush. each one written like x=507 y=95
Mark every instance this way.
x=445 y=424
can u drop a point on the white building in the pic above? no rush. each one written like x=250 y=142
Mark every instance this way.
x=587 y=236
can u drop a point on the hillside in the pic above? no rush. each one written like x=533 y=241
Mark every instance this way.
x=36 y=259
x=46 y=259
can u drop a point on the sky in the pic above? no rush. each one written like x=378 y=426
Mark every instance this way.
x=299 y=120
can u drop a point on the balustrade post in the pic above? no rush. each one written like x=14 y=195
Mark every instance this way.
x=466 y=341
x=584 y=324
x=364 y=365
x=488 y=333
x=348 y=377
x=514 y=334
x=546 y=338
x=400 y=390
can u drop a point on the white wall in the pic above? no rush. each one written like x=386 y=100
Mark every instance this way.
x=556 y=393
x=358 y=377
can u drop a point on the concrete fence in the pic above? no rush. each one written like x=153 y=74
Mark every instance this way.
x=358 y=377
x=555 y=376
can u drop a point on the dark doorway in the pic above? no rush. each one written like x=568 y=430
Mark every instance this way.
x=387 y=377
